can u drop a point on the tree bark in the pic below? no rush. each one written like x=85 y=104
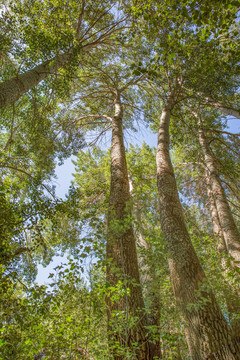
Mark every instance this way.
x=208 y=334
x=221 y=245
x=229 y=229
x=11 y=90
x=122 y=263
x=231 y=296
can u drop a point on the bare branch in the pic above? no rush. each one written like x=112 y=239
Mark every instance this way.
x=225 y=109
x=101 y=133
x=93 y=116
x=223 y=142
x=80 y=20
x=223 y=132
x=134 y=81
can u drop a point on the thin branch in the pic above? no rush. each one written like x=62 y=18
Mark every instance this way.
x=234 y=205
x=95 y=20
x=134 y=81
x=20 y=281
x=106 y=74
x=222 y=142
x=231 y=189
x=101 y=133
x=13 y=131
x=223 y=132
x=111 y=30
x=93 y=116
x=226 y=109
x=26 y=173
x=87 y=96
x=85 y=124
x=20 y=251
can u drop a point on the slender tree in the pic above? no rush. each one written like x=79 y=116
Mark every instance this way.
x=121 y=246
x=110 y=87
x=228 y=227
x=231 y=295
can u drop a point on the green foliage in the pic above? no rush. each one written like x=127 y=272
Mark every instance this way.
x=189 y=46
x=49 y=319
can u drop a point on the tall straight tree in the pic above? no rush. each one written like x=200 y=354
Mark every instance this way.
x=105 y=91
x=231 y=295
x=195 y=185
x=121 y=246
x=229 y=229
x=208 y=334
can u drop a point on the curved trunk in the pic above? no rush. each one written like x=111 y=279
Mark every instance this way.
x=122 y=264
x=228 y=227
x=208 y=334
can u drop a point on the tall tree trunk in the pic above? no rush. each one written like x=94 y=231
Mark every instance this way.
x=122 y=263
x=142 y=245
x=217 y=230
x=231 y=296
x=11 y=90
x=228 y=227
x=208 y=334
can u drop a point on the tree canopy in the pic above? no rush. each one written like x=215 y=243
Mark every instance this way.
x=150 y=235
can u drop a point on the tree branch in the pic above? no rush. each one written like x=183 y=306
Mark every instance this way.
x=80 y=20
x=26 y=173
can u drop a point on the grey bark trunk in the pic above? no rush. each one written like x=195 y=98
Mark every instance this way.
x=208 y=334
x=228 y=227
x=142 y=245
x=11 y=90
x=231 y=295
x=122 y=263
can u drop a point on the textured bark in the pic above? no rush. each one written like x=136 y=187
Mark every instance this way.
x=231 y=296
x=229 y=229
x=11 y=90
x=208 y=334
x=149 y=281
x=122 y=263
